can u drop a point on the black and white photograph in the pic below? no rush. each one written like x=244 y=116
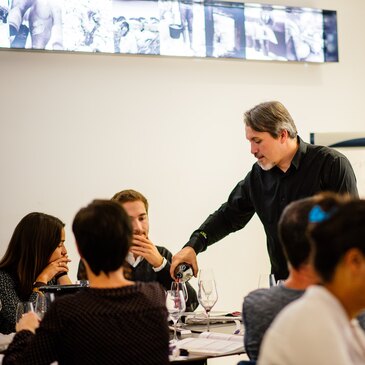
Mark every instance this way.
x=330 y=36
x=88 y=26
x=225 y=30
x=4 y=28
x=265 y=32
x=188 y=28
x=136 y=27
x=182 y=28
x=31 y=24
x=304 y=35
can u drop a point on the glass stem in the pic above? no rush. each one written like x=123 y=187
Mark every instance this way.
x=208 y=321
x=175 y=335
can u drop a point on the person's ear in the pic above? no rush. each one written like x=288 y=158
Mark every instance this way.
x=283 y=135
x=354 y=259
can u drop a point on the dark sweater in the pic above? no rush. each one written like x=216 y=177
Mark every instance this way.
x=99 y=326
x=144 y=272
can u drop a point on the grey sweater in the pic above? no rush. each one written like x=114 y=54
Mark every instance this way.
x=260 y=307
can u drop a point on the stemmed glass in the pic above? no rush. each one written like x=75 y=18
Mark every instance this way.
x=179 y=285
x=207 y=293
x=175 y=304
x=43 y=303
x=22 y=308
x=272 y=280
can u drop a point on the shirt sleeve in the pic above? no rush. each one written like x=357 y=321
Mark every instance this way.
x=252 y=337
x=157 y=269
x=232 y=216
x=341 y=177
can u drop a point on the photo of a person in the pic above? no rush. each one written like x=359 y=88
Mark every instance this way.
x=225 y=31
x=39 y=19
x=136 y=27
x=88 y=26
x=265 y=33
x=182 y=28
x=4 y=29
x=303 y=33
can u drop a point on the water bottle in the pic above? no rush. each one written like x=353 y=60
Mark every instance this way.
x=184 y=272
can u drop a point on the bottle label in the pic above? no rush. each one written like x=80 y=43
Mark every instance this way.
x=183 y=272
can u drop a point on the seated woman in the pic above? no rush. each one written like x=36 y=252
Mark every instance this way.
x=114 y=321
x=36 y=256
x=320 y=327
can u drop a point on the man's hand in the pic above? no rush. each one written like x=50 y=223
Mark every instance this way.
x=188 y=255
x=142 y=246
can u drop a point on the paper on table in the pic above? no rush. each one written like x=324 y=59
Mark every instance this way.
x=222 y=336
x=219 y=317
x=212 y=343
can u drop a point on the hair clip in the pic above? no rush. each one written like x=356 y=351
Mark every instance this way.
x=317 y=215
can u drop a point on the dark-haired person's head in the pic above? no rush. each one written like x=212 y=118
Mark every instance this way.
x=338 y=239
x=293 y=225
x=103 y=235
x=34 y=240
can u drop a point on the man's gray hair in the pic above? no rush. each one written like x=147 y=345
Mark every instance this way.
x=271 y=117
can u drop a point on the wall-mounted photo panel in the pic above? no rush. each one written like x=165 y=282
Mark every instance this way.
x=219 y=29
x=225 y=29
x=182 y=28
x=136 y=27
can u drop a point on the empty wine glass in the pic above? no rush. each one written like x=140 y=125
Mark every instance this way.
x=175 y=304
x=207 y=293
x=43 y=303
x=22 y=308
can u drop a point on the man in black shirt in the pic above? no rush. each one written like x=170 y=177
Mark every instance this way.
x=287 y=169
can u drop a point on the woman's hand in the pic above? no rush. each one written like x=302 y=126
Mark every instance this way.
x=29 y=321
x=53 y=268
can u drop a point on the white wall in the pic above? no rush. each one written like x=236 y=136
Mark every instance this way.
x=76 y=127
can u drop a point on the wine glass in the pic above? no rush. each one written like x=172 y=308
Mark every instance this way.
x=272 y=280
x=43 y=303
x=207 y=293
x=22 y=308
x=175 y=304
x=83 y=283
x=180 y=286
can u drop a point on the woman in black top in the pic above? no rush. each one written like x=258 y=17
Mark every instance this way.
x=36 y=255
